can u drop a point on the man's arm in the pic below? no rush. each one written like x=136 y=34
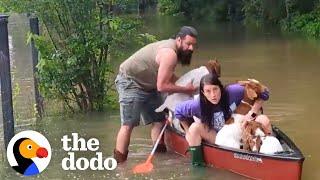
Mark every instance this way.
x=167 y=60
x=174 y=78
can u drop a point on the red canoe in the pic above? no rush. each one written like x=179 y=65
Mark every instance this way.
x=285 y=165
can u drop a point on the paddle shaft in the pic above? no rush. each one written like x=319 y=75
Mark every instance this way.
x=158 y=139
x=148 y=166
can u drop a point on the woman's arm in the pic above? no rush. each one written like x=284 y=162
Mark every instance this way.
x=264 y=96
x=236 y=94
x=185 y=111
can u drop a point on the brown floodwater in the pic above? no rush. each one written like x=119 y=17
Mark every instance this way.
x=287 y=64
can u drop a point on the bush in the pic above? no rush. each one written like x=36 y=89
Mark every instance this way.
x=308 y=24
x=169 y=7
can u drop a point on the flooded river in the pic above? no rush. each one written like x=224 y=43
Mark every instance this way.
x=288 y=65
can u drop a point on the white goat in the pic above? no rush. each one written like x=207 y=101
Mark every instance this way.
x=230 y=134
x=270 y=145
x=193 y=76
x=172 y=100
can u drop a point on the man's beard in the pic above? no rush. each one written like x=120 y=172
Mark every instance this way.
x=184 y=57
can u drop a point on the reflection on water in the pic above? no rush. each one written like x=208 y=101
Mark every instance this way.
x=287 y=65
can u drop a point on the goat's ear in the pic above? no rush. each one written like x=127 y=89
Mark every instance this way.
x=217 y=68
x=251 y=93
x=214 y=67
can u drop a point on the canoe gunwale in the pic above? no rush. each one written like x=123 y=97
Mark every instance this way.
x=294 y=155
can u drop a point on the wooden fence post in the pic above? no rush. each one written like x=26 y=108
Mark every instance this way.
x=5 y=78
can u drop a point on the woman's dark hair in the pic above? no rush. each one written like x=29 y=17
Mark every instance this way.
x=206 y=106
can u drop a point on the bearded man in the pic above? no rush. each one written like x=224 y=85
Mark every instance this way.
x=141 y=80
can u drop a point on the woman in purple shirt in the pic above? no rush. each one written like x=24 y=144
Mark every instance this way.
x=214 y=106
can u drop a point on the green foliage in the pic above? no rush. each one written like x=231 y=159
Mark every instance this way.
x=210 y=10
x=146 y=38
x=307 y=24
x=15 y=93
x=274 y=11
x=3 y=8
x=169 y=7
x=78 y=40
x=254 y=11
x=303 y=6
x=217 y=10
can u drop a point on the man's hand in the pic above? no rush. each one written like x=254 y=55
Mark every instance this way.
x=191 y=88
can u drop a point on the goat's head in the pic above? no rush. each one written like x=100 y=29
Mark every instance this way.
x=252 y=88
x=251 y=136
x=214 y=67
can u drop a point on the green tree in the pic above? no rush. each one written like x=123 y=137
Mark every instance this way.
x=169 y=7
x=79 y=38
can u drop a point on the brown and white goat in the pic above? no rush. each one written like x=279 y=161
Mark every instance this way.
x=251 y=136
x=252 y=131
x=252 y=88
x=232 y=133
x=255 y=140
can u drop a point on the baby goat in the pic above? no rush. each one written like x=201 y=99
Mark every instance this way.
x=231 y=133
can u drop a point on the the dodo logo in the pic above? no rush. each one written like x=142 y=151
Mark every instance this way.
x=29 y=152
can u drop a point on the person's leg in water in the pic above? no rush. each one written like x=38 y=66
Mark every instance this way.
x=122 y=143
x=130 y=115
x=155 y=132
x=156 y=119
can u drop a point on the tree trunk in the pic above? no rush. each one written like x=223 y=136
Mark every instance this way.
x=287 y=8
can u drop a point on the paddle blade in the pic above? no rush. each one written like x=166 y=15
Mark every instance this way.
x=143 y=168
